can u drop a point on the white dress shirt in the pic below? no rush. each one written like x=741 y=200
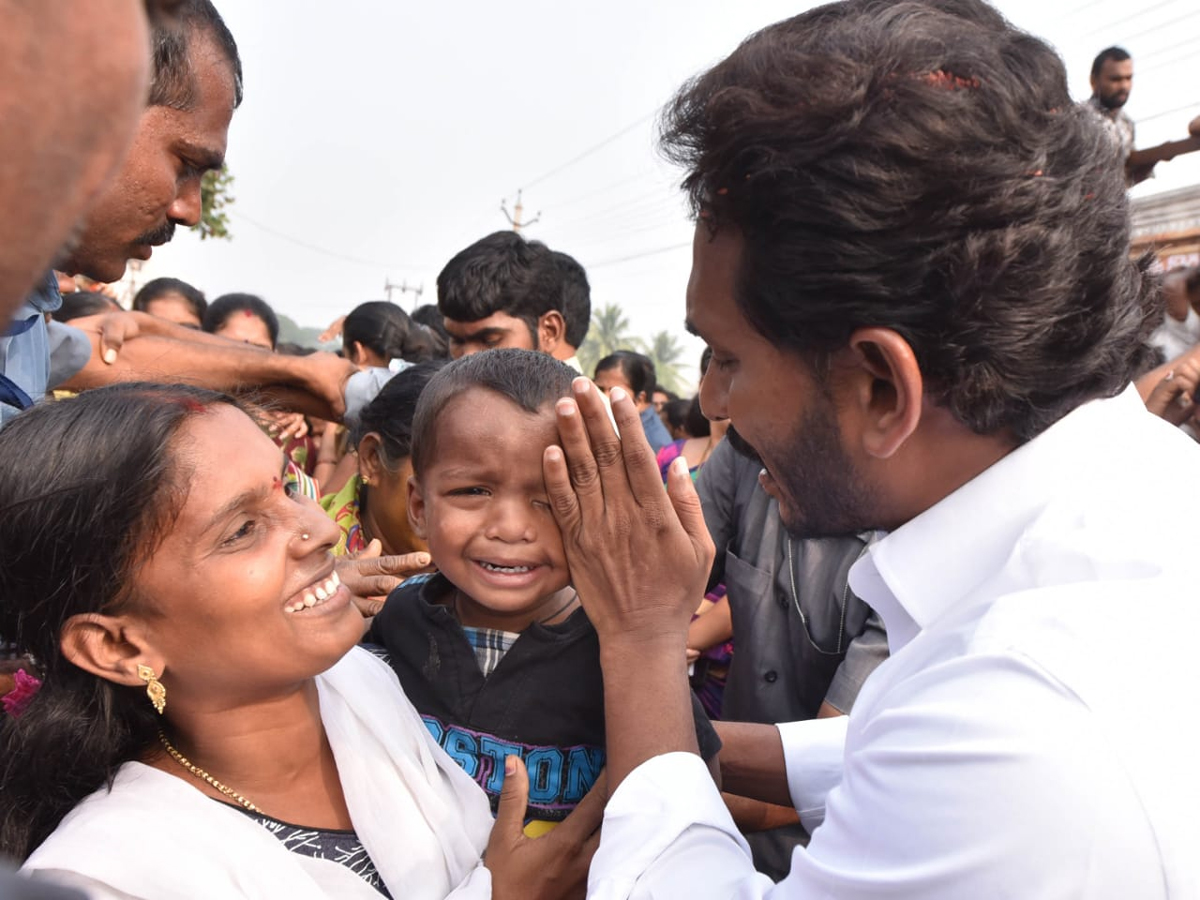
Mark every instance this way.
x=1033 y=733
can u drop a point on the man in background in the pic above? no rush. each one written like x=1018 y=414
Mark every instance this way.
x=499 y=292
x=63 y=130
x=196 y=84
x=576 y=307
x=1112 y=81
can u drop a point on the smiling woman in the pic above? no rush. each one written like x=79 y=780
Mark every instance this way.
x=203 y=702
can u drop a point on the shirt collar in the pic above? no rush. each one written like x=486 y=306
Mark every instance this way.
x=1113 y=115
x=919 y=571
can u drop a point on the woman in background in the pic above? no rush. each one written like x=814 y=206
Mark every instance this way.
x=251 y=320
x=378 y=333
x=634 y=372
x=243 y=317
x=373 y=503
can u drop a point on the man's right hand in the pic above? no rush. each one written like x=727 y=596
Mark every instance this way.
x=639 y=555
x=1173 y=398
x=325 y=375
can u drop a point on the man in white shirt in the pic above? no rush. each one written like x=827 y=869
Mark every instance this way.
x=911 y=263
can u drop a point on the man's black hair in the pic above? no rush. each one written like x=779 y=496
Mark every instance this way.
x=576 y=298
x=677 y=413
x=173 y=83
x=531 y=380
x=921 y=167
x=501 y=273
x=696 y=423
x=156 y=288
x=430 y=318
x=1116 y=54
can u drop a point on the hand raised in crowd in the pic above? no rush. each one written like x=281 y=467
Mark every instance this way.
x=284 y=426
x=1174 y=397
x=333 y=332
x=370 y=576
x=549 y=867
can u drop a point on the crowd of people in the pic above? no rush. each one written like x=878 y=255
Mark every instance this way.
x=895 y=606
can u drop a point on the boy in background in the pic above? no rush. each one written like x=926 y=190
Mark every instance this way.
x=495 y=650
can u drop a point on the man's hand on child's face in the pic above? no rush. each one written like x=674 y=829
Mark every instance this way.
x=639 y=555
x=549 y=867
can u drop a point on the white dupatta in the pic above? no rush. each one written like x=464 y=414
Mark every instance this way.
x=423 y=821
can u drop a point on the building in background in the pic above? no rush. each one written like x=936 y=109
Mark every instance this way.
x=1169 y=225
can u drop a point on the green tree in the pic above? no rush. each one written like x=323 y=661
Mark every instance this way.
x=608 y=333
x=666 y=352
x=297 y=334
x=214 y=199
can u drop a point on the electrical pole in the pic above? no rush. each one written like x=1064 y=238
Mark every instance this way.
x=403 y=288
x=515 y=219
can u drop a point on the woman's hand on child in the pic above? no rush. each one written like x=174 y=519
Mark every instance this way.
x=370 y=576
x=549 y=867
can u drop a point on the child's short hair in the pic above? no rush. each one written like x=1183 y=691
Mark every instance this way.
x=528 y=378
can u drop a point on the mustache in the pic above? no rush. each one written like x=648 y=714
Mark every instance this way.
x=158 y=236
x=742 y=446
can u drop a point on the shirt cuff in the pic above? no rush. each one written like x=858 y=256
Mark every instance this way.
x=813 y=751
x=655 y=804
x=476 y=886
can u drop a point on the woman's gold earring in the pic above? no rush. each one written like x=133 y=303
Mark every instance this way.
x=366 y=479
x=154 y=689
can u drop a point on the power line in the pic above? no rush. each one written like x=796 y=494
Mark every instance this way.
x=375 y=264
x=1121 y=21
x=1168 y=112
x=624 y=259
x=616 y=229
x=618 y=239
x=621 y=182
x=653 y=201
x=1133 y=37
x=1072 y=12
x=593 y=149
x=1159 y=63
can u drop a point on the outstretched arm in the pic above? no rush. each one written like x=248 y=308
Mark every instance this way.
x=639 y=557
x=170 y=353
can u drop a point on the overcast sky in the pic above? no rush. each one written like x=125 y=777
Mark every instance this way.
x=377 y=138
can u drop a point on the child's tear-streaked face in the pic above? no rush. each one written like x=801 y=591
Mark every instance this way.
x=481 y=504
